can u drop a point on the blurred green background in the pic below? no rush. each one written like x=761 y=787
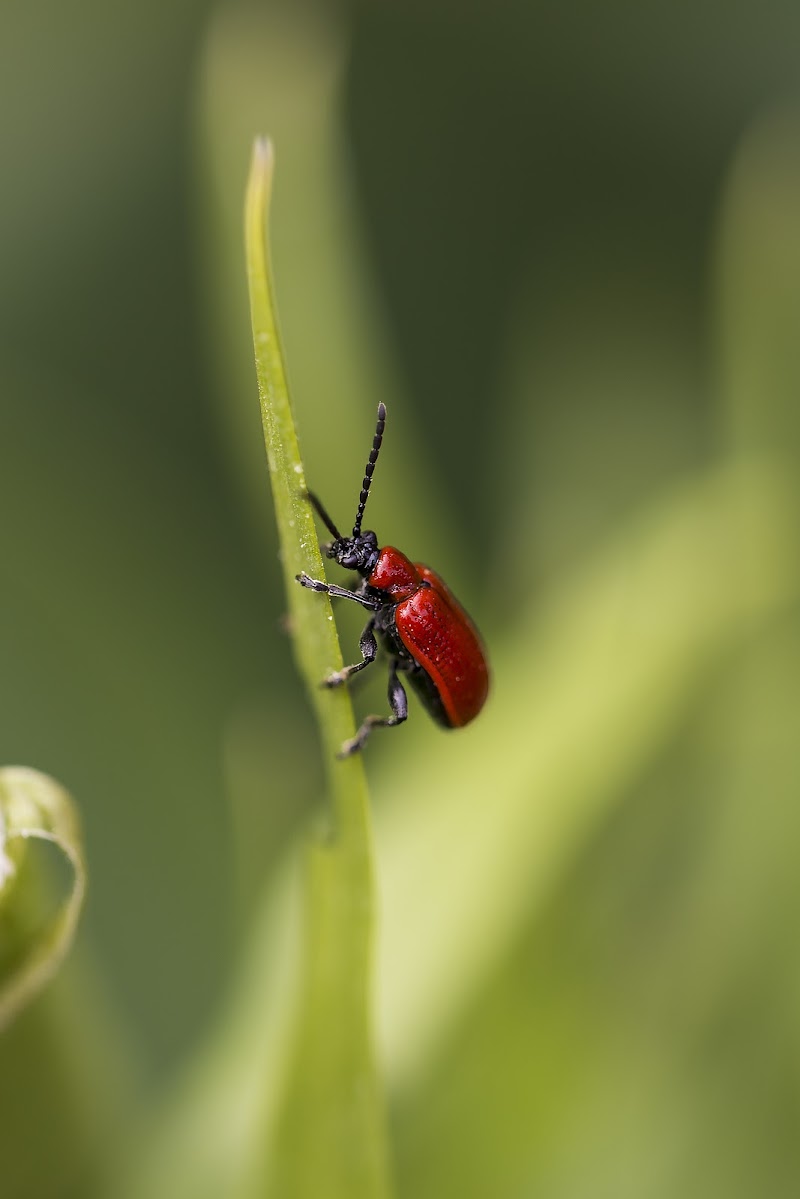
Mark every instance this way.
x=563 y=243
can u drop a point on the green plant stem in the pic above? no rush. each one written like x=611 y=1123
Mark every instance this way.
x=330 y=1139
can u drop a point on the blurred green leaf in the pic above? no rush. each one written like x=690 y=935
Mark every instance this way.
x=640 y=1034
x=588 y=687
x=758 y=289
x=36 y=929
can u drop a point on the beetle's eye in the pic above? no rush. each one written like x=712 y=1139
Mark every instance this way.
x=349 y=561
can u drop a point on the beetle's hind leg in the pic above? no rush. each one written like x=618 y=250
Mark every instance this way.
x=369 y=651
x=399 y=705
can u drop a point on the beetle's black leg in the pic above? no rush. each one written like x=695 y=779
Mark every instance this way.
x=369 y=651
x=315 y=585
x=399 y=705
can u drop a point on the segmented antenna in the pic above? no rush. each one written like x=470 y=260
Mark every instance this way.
x=373 y=458
x=323 y=515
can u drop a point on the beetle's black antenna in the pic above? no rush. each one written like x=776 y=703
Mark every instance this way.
x=323 y=515
x=373 y=458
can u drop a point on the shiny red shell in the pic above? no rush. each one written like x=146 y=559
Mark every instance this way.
x=437 y=633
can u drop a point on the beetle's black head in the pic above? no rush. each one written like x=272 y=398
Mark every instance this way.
x=360 y=550
x=355 y=553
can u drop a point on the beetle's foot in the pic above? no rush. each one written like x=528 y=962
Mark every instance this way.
x=351 y=747
x=335 y=679
x=314 y=584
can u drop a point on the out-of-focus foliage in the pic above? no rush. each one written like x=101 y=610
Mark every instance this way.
x=37 y=926
x=563 y=245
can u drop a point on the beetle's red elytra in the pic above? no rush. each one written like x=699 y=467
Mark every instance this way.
x=428 y=637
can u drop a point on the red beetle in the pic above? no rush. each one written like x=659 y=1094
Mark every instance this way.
x=425 y=632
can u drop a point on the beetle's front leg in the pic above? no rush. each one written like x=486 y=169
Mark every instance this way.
x=369 y=651
x=317 y=585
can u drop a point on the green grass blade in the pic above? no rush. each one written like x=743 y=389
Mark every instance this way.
x=311 y=617
x=329 y=1139
x=36 y=931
